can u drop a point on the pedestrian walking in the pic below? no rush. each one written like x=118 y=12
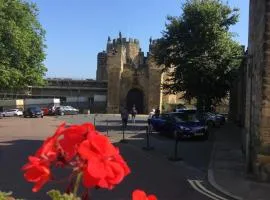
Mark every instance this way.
x=133 y=113
x=151 y=114
x=124 y=116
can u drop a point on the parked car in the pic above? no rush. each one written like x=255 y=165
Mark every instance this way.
x=33 y=112
x=66 y=110
x=210 y=119
x=180 y=108
x=221 y=118
x=12 y=112
x=45 y=111
x=180 y=124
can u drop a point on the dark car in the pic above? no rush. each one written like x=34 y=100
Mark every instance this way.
x=220 y=117
x=33 y=112
x=180 y=124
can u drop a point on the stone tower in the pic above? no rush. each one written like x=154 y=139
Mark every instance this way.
x=133 y=79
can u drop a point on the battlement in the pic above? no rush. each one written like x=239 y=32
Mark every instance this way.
x=122 y=40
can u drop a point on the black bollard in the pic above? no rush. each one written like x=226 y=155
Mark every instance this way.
x=148 y=147
x=123 y=131
x=175 y=157
x=107 y=128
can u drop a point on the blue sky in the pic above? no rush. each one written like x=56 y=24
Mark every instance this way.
x=76 y=30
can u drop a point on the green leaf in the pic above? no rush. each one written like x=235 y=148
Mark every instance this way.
x=56 y=195
x=201 y=51
x=21 y=45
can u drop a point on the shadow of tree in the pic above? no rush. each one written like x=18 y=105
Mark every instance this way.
x=14 y=154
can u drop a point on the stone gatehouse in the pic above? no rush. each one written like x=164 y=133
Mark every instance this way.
x=133 y=79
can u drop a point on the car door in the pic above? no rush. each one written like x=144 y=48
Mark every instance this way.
x=163 y=122
x=169 y=124
x=157 y=123
x=9 y=113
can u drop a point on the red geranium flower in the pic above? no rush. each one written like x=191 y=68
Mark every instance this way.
x=73 y=136
x=49 y=149
x=105 y=167
x=37 y=171
x=141 y=195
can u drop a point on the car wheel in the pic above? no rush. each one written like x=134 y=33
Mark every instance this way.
x=41 y=116
x=175 y=135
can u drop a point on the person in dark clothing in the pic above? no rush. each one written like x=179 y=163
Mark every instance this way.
x=157 y=112
x=124 y=116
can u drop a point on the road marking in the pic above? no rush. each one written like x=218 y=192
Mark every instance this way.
x=196 y=184
x=208 y=191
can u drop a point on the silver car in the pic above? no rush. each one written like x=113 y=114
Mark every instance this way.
x=12 y=112
x=66 y=110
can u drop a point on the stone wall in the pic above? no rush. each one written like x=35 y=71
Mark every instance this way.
x=115 y=62
x=134 y=78
x=154 y=86
x=102 y=74
x=257 y=115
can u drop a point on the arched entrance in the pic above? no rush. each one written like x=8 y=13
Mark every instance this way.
x=135 y=97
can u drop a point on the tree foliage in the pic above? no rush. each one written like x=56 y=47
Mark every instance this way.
x=198 y=51
x=21 y=45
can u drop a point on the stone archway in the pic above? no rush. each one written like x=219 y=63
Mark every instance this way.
x=135 y=97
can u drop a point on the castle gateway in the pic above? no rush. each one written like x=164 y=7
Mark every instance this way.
x=133 y=79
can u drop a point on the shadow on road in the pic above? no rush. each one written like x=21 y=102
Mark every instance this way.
x=145 y=175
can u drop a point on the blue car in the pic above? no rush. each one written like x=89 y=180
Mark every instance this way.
x=180 y=124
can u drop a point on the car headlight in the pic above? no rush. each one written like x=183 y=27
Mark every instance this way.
x=184 y=128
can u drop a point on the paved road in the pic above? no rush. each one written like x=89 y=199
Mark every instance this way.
x=151 y=170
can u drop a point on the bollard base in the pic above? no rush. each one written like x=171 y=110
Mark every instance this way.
x=174 y=159
x=123 y=141
x=148 y=148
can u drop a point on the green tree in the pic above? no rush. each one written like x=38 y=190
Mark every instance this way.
x=21 y=45
x=198 y=51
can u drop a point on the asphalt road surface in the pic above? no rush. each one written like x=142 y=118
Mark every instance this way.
x=151 y=170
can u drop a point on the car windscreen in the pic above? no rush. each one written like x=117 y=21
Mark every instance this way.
x=185 y=117
x=35 y=109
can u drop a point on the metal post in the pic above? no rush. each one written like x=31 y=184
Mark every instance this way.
x=175 y=157
x=175 y=149
x=148 y=147
x=123 y=131
x=107 y=128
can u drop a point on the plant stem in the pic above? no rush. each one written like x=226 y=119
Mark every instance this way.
x=77 y=183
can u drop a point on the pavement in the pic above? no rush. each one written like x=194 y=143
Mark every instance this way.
x=227 y=167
